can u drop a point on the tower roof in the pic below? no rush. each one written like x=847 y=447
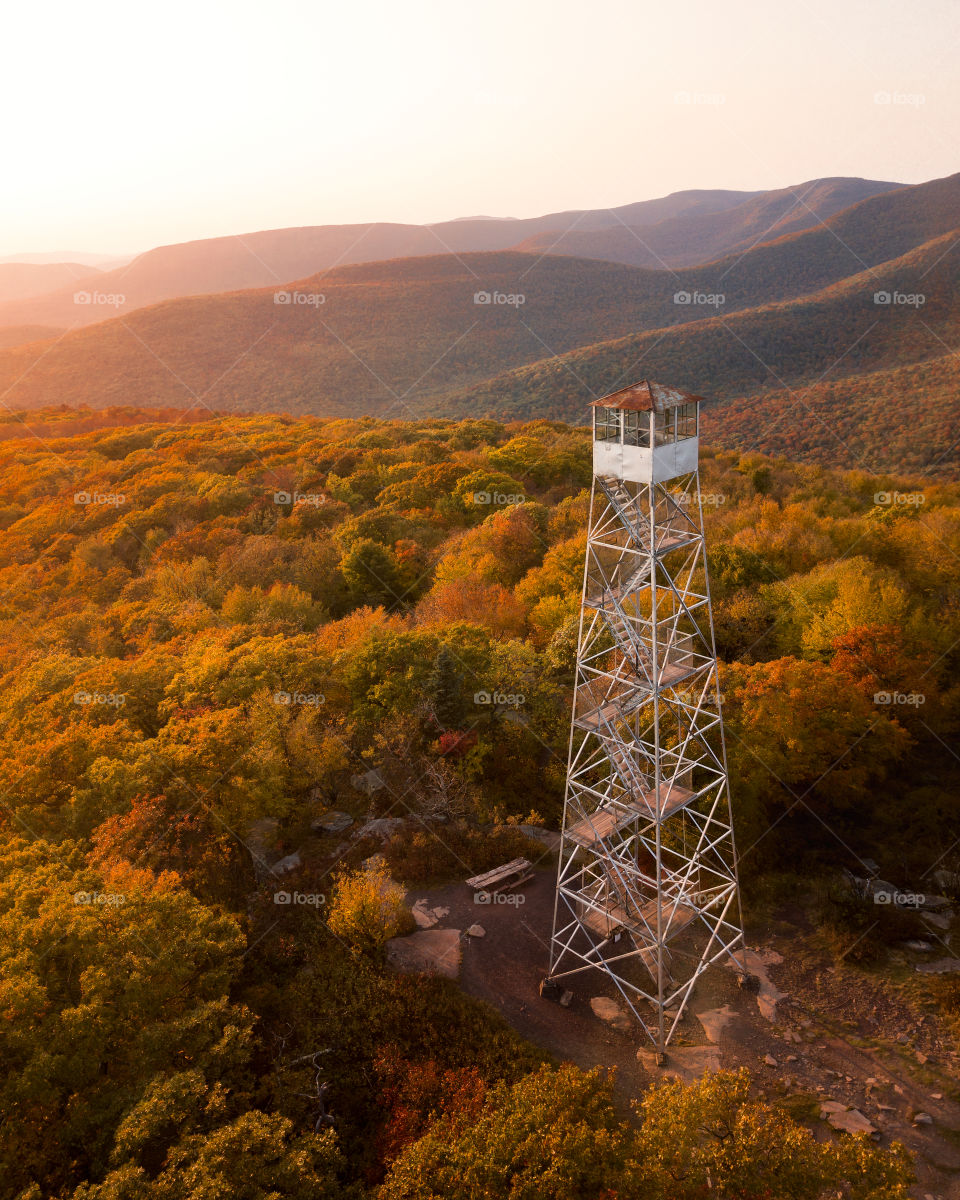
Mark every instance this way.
x=646 y=396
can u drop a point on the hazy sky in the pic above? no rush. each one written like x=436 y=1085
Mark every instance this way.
x=129 y=126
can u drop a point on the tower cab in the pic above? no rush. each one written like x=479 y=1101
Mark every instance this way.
x=646 y=433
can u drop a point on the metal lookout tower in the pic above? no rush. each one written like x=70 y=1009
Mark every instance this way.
x=647 y=883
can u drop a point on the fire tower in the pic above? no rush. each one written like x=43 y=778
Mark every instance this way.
x=647 y=882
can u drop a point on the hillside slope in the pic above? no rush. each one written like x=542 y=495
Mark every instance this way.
x=685 y=239
x=901 y=419
x=372 y=334
x=839 y=331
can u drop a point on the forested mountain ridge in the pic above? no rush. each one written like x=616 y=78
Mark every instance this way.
x=266 y=258
x=903 y=312
x=520 y=335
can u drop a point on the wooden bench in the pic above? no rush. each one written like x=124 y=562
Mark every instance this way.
x=501 y=879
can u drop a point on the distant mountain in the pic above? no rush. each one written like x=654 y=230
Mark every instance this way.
x=18 y=281
x=275 y=256
x=100 y=261
x=410 y=336
x=522 y=335
x=380 y=330
x=902 y=311
x=692 y=237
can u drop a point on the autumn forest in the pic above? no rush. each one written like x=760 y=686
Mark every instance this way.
x=215 y=634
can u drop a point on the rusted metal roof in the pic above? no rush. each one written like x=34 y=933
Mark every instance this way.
x=646 y=396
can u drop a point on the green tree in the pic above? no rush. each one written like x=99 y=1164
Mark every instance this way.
x=372 y=573
x=445 y=690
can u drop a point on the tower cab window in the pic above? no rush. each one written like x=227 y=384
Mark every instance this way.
x=675 y=424
x=636 y=429
x=607 y=427
x=686 y=421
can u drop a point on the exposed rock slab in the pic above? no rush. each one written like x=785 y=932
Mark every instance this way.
x=425 y=916
x=610 y=1011
x=331 y=822
x=846 y=1119
x=434 y=951
x=714 y=1020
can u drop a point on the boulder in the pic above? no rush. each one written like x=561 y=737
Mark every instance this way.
x=291 y=862
x=845 y=1119
x=331 y=822
x=423 y=915
x=368 y=782
x=476 y=931
x=611 y=1012
x=380 y=827
x=431 y=951
x=714 y=1021
x=941 y=966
